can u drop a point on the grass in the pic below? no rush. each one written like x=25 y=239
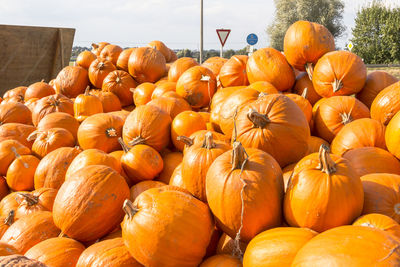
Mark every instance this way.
x=393 y=71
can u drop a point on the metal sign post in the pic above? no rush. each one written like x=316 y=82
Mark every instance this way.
x=223 y=36
x=251 y=39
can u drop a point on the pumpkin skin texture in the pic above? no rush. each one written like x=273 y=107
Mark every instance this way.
x=48 y=141
x=303 y=104
x=276 y=125
x=361 y=245
x=57 y=252
x=302 y=53
x=196 y=162
x=146 y=64
x=18 y=132
x=6 y=250
x=233 y=72
x=162 y=48
x=21 y=171
x=50 y=104
x=85 y=58
x=154 y=241
x=109 y=101
x=111 y=53
x=147 y=125
x=30 y=230
x=74 y=211
x=379 y=221
x=38 y=200
x=214 y=64
x=100 y=131
x=38 y=90
x=120 y=83
x=171 y=161
x=10 y=204
x=225 y=183
x=386 y=104
x=335 y=112
x=264 y=87
x=179 y=67
x=19 y=261
x=375 y=83
x=98 y=71
x=221 y=260
x=111 y=252
x=303 y=82
x=359 y=133
x=314 y=143
x=59 y=120
x=142 y=186
x=226 y=245
x=197 y=86
x=163 y=88
x=392 y=135
x=123 y=59
x=268 y=64
x=276 y=247
x=15 y=112
x=142 y=93
x=318 y=194
x=171 y=105
x=7 y=156
x=5 y=222
x=86 y=105
x=366 y=160
x=382 y=194
x=339 y=73
x=71 y=81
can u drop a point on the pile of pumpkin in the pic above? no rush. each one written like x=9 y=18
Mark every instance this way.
x=277 y=159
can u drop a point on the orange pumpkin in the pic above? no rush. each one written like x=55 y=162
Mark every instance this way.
x=235 y=200
x=15 y=112
x=221 y=260
x=179 y=67
x=142 y=93
x=50 y=140
x=303 y=82
x=314 y=143
x=89 y=204
x=98 y=71
x=71 y=81
x=39 y=200
x=120 y=83
x=109 y=101
x=31 y=103
x=111 y=53
x=50 y=104
x=8 y=155
x=142 y=186
x=184 y=124
x=21 y=171
x=287 y=174
x=85 y=58
x=263 y=87
x=38 y=90
x=86 y=105
x=96 y=48
x=123 y=59
x=214 y=64
x=59 y=120
x=304 y=104
x=268 y=64
x=379 y=221
x=176 y=177
x=233 y=72
x=162 y=48
x=15 y=92
x=171 y=105
x=146 y=64
x=392 y=135
x=18 y=132
x=161 y=89
x=9 y=204
x=330 y=78
x=386 y=104
x=171 y=161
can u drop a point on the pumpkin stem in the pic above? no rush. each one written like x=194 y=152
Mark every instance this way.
x=32 y=136
x=30 y=199
x=42 y=81
x=397 y=208
x=118 y=79
x=305 y=93
x=186 y=140
x=87 y=90
x=208 y=141
x=259 y=120
x=129 y=209
x=111 y=132
x=137 y=141
x=346 y=118
x=309 y=69
x=95 y=46
x=337 y=85
x=239 y=156
x=124 y=146
x=61 y=234
x=326 y=164
x=10 y=218
x=100 y=66
x=261 y=95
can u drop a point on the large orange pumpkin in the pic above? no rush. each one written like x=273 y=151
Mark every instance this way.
x=233 y=72
x=85 y=58
x=59 y=120
x=18 y=132
x=184 y=124
x=379 y=221
x=268 y=64
x=146 y=64
x=109 y=101
x=15 y=112
x=98 y=71
x=89 y=204
x=162 y=48
x=123 y=59
x=71 y=81
x=324 y=192
x=392 y=135
x=240 y=184
x=303 y=82
x=38 y=200
x=386 y=104
x=154 y=241
x=50 y=140
x=111 y=53
x=331 y=78
x=214 y=64
x=21 y=171
x=50 y=104
x=142 y=93
x=179 y=67
x=8 y=155
x=38 y=90
x=120 y=83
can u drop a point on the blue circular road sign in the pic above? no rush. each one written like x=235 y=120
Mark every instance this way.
x=252 y=39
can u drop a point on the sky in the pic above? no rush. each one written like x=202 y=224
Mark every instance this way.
x=132 y=23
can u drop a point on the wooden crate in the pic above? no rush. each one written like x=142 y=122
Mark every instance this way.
x=30 y=54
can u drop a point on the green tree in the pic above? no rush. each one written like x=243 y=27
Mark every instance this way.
x=376 y=35
x=184 y=53
x=326 y=12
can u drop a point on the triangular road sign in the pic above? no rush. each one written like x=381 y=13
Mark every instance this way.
x=223 y=35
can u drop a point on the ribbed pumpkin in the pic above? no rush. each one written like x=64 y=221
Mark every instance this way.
x=171 y=105
x=15 y=112
x=161 y=47
x=142 y=186
x=50 y=140
x=233 y=72
x=366 y=160
x=98 y=71
x=89 y=203
x=8 y=250
x=59 y=120
x=264 y=87
x=382 y=194
x=50 y=104
x=30 y=230
x=109 y=101
x=196 y=162
x=142 y=93
x=268 y=64
x=197 y=85
x=359 y=246
x=171 y=161
x=386 y=104
x=123 y=59
x=317 y=184
x=184 y=124
x=227 y=245
x=392 y=135
x=147 y=125
x=111 y=53
x=101 y=131
x=86 y=105
x=50 y=173
x=120 y=83
x=379 y=221
x=161 y=89
x=85 y=58
x=335 y=112
x=38 y=200
x=141 y=162
x=314 y=143
x=21 y=171
x=375 y=83
x=96 y=48
x=146 y=64
x=304 y=104
x=276 y=125
x=359 y=133
x=303 y=82
x=240 y=184
x=92 y=157
x=221 y=260
x=179 y=67
x=18 y=132
x=330 y=78
x=71 y=81
x=57 y=252
x=214 y=64
x=154 y=241
x=198 y=137
x=276 y=247
x=303 y=53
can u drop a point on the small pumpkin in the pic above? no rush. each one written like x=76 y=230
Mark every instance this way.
x=171 y=105
x=98 y=71
x=15 y=112
x=85 y=58
x=146 y=64
x=184 y=124
x=120 y=83
x=314 y=143
x=71 y=81
x=142 y=93
x=179 y=67
x=86 y=105
x=233 y=72
x=38 y=200
x=304 y=104
x=21 y=171
x=109 y=101
x=162 y=48
x=38 y=90
x=59 y=120
x=50 y=104
x=111 y=53
x=15 y=92
x=50 y=140
x=161 y=89
x=386 y=104
x=123 y=59
x=97 y=48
